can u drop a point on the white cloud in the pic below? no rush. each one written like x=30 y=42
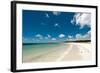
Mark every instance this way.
x=47 y=15
x=39 y=36
x=61 y=36
x=53 y=39
x=70 y=37
x=56 y=13
x=86 y=36
x=79 y=36
x=82 y=19
x=49 y=36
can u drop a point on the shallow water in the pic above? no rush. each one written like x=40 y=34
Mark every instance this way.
x=33 y=49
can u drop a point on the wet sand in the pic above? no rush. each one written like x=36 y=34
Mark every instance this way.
x=65 y=52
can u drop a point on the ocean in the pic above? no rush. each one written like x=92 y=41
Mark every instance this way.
x=32 y=50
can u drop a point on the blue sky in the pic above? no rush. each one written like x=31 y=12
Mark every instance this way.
x=53 y=26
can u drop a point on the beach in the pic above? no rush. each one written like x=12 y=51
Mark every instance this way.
x=70 y=51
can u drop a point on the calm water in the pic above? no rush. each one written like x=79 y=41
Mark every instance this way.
x=37 y=48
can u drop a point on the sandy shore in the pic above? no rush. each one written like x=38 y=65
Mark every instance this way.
x=66 y=52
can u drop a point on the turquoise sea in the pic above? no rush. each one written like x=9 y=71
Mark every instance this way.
x=33 y=49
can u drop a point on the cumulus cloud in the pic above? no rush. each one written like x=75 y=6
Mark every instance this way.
x=86 y=36
x=70 y=37
x=61 y=36
x=79 y=36
x=53 y=39
x=56 y=13
x=82 y=19
x=39 y=36
x=49 y=36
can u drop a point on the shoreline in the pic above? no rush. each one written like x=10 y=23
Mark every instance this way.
x=66 y=52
